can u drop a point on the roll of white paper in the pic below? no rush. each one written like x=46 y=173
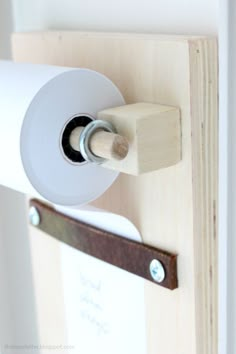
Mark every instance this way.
x=36 y=104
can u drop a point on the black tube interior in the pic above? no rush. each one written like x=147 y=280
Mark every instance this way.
x=70 y=153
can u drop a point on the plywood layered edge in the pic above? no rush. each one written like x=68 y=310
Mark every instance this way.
x=204 y=96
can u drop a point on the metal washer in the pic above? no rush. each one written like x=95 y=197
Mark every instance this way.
x=86 y=135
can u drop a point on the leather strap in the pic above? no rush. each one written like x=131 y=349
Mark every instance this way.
x=131 y=256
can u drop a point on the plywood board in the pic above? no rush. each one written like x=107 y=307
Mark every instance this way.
x=174 y=208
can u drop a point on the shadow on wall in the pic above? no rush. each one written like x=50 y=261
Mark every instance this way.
x=6 y=28
x=18 y=322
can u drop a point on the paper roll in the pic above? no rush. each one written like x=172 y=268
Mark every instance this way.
x=36 y=104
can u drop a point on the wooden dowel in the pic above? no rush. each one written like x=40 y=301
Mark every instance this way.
x=103 y=144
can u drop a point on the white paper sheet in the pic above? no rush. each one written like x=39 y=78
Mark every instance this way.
x=104 y=305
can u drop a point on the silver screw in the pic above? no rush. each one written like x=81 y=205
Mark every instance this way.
x=157 y=270
x=34 y=216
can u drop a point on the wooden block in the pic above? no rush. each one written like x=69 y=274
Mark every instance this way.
x=154 y=136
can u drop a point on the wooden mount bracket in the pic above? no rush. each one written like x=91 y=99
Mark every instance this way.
x=154 y=135
x=149 y=138
x=175 y=209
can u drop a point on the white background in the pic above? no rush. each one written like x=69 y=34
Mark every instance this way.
x=167 y=16
x=163 y=16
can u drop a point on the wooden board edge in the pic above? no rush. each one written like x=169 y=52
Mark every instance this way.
x=102 y=34
x=204 y=74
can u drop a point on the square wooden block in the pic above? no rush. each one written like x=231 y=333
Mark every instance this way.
x=153 y=132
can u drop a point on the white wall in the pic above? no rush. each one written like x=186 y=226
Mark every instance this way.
x=167 y=16
x=18 y=323
x=6 y=27
x=228 y=121
x=17 y=308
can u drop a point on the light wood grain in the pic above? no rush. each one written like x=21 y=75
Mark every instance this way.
x=154 y=135
x=149 y=138
x=174 y=208
x=48 y=290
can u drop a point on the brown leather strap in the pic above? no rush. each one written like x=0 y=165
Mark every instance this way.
x=131 y=256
